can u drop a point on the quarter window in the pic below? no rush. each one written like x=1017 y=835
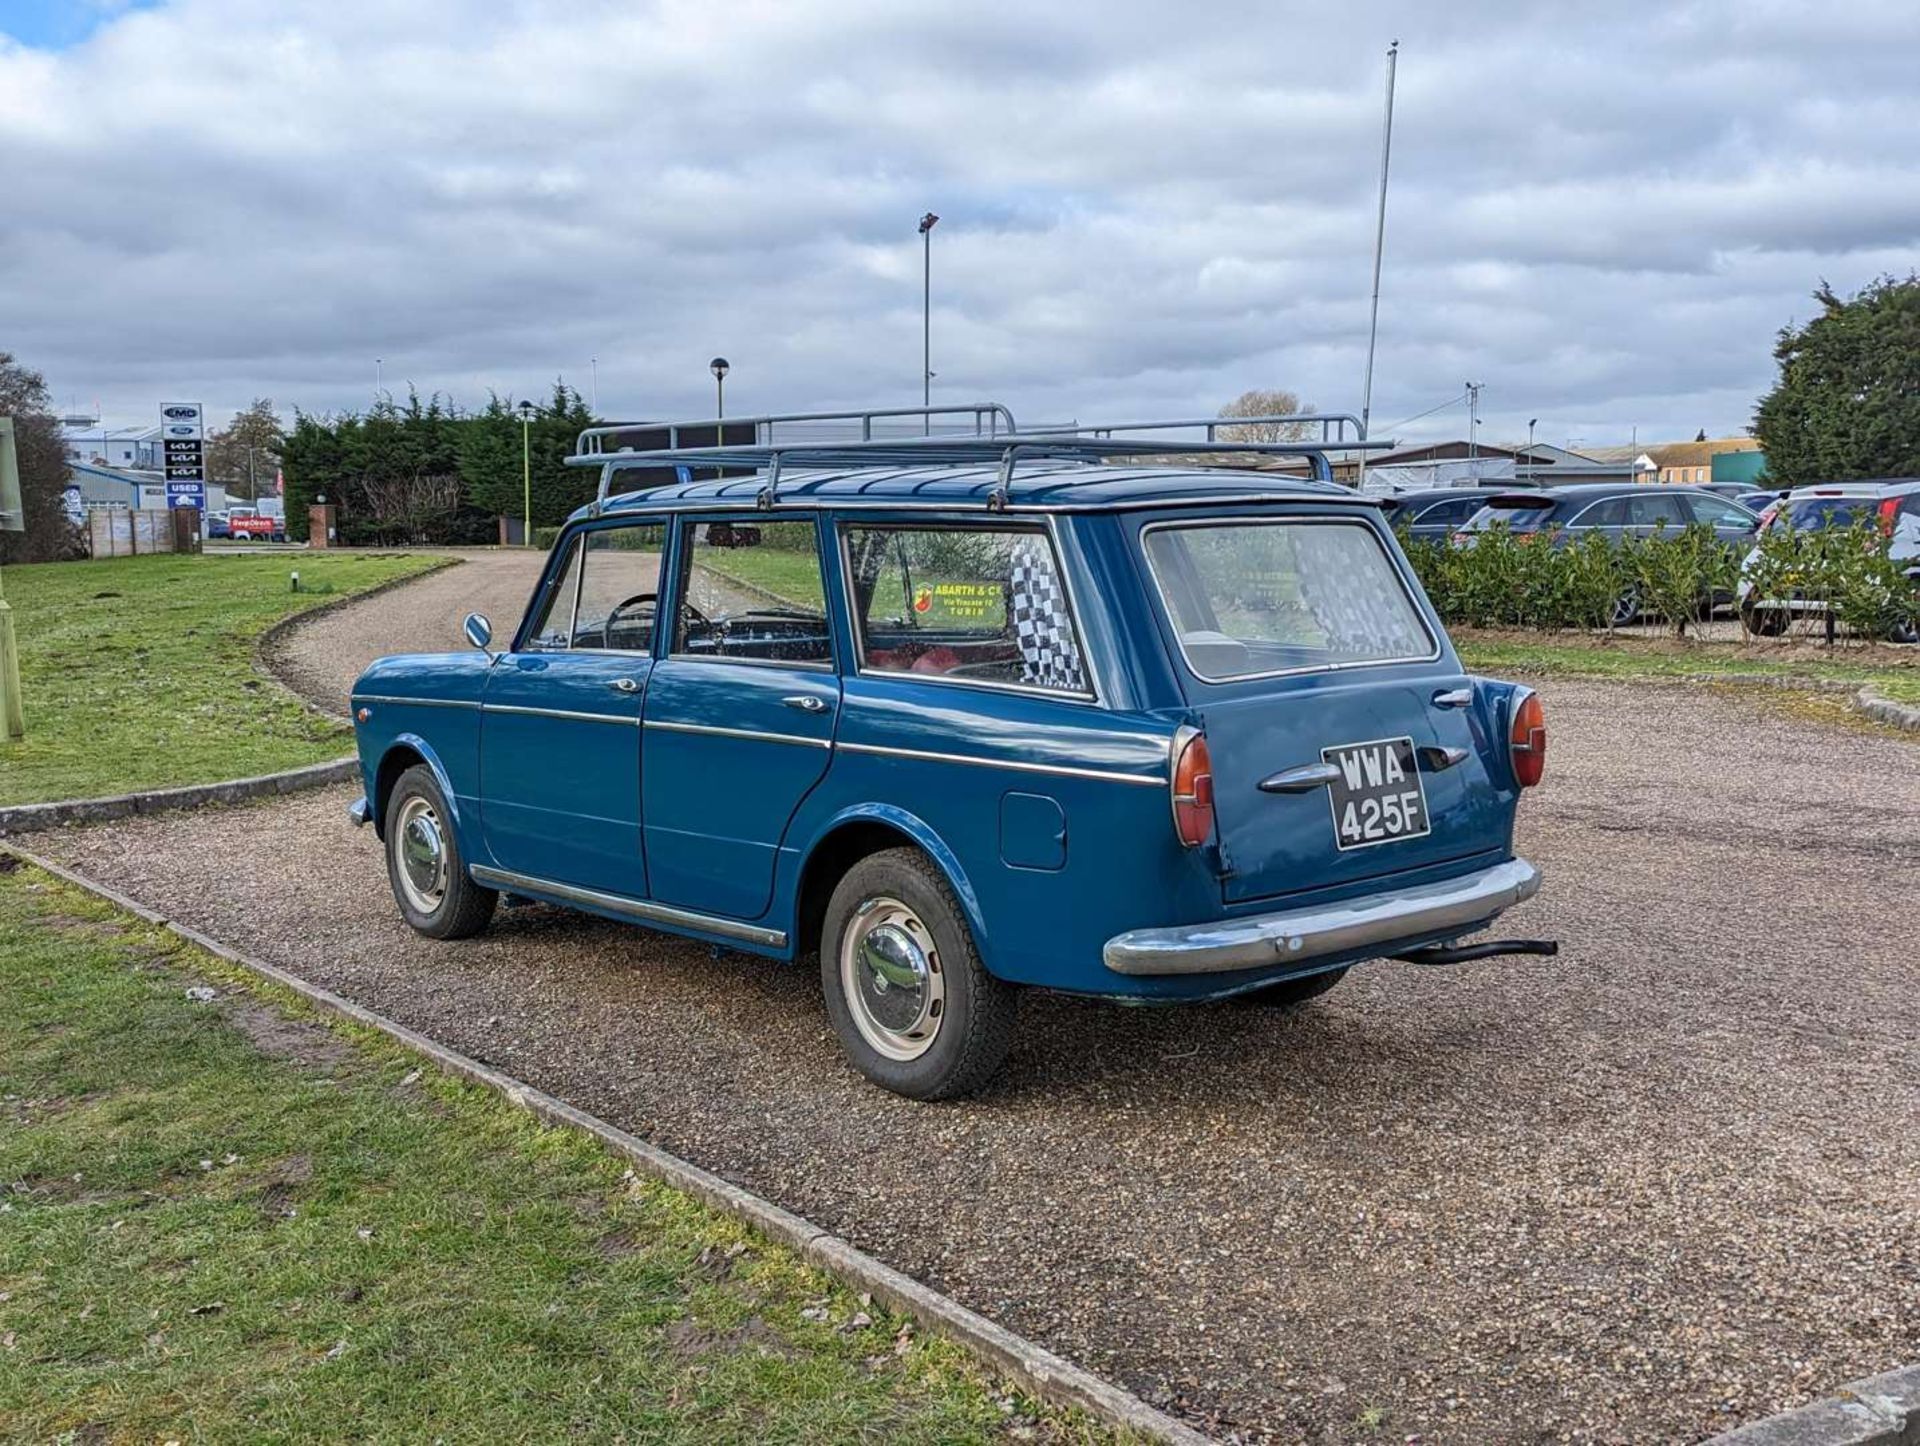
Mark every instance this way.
x=752 y=592
x=965 y=604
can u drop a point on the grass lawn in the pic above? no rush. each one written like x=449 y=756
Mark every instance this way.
x=1893 y=672
x=240 y=1219
x=792 y=576
x=138 y=671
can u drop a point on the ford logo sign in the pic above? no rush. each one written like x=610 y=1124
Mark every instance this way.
x=186 y=414
x=179 y=431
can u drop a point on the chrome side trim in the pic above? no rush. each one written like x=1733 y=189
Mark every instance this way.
x=1061 y=769
x=639 y=910
x=1298 y=936
x=752 y=733
x=416 y=702
x=525 y=712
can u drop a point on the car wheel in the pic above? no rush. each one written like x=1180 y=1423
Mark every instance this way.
x=424 y=866
x=915 y=1009
x=1764 y=622
x=1292 y=993
x=1626 y=607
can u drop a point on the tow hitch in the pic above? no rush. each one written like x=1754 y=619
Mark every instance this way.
x=1466 y=953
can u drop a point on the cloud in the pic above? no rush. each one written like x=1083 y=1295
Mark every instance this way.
x=1605 y=220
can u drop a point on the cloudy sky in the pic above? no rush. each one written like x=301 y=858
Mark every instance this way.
x=1146 y=208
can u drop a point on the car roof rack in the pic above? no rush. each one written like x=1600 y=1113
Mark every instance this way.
x=988 y=435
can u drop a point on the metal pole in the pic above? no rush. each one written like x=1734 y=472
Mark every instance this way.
x=719 y=396
x=376 y=378
x=1379 y=246
x=926 y=325
x=593 y=386
x=1531 y=422
x=1473 y=421
x=526 y=480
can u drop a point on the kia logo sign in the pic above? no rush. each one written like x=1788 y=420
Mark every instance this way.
x=180 y=414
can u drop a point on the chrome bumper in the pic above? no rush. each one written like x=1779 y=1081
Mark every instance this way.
x=360 y=811
x=1425 y=913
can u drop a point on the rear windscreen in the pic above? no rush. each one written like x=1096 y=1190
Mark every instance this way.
x=1815 y=513
x=1513 y=518
x=1251 y=598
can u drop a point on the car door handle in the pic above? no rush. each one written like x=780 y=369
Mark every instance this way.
x=806 y=703
x=1453 y=698
x=624 y=685
x=1304 y=779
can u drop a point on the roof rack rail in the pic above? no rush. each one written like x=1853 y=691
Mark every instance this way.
x=975 y=419
x=1079 y=445
x=1338 y=431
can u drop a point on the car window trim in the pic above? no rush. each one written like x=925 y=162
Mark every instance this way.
x=1393 y=557
x=1045 y=527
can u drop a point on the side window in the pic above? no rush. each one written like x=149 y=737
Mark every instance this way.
x=1610 y=513
x=1653 y=510
x=1451 y=511
x=975 y=604
x=1716 y=513
x=620 y=588
x=604 y=596
x=751 y=591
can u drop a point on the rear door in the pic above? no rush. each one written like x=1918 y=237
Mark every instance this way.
x=1340 y=751
x=740 y=715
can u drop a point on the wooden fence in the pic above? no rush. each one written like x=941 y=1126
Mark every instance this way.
x=118 y=532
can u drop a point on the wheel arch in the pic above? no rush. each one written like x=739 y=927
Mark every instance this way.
x=857 y=833
x=404 y=752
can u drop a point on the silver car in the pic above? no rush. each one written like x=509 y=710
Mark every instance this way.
x=1893 y=502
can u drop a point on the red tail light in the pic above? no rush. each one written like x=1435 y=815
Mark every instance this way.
x=1889 y=514
x=1192 y=787
x=1527 y=740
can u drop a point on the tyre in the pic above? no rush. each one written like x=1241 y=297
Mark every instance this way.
x=1626 y=607
x=1292 y=993
x=915 y=1009
x=1764 y=622
x=424 y=866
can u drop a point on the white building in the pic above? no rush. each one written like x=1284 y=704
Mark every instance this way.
x=133 y=447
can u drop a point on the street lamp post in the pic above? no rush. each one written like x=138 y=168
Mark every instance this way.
x=718 y=366
x=526 y=473
x=1532 y=422
x=927 y=223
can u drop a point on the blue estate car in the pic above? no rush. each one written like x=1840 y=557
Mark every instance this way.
x=961 y=716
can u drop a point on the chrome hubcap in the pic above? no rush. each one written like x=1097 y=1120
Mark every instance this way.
x=890 y=973
x=422 y=852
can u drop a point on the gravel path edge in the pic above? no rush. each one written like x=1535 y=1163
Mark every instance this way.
x=1879 y=1411
x=1050 y=1377
x=268 y=643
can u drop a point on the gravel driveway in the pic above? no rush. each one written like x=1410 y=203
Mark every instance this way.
x=1658 y=1186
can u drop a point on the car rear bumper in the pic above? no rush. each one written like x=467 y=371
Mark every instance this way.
x=1424 y=913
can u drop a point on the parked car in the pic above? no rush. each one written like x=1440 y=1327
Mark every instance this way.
x=1438 y=513
x=1754 y=499
x=1615 y=511
x=1892 y=503
x=217 y=525
x=963 y=717
x=256 y=525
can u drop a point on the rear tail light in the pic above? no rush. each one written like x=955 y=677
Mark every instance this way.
x=1766 y=518
x=1889 y=514
x=1192 y=787
x=1527 y=739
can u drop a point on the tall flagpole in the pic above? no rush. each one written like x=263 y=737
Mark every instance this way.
x=1379 y=245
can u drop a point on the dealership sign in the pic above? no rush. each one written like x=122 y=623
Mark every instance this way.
x=183 y=437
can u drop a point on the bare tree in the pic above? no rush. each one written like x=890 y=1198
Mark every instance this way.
x=1257 y=403
x=244 y=456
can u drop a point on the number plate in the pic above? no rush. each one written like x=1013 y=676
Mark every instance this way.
x=1378 y=797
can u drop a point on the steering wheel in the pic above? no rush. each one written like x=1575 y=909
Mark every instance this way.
x=649 y=601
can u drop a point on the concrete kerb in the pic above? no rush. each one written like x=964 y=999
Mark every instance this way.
x=1048 y=1376
x=1879 y=1411
x=31 y=817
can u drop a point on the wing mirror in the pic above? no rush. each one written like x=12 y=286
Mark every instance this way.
x=478 y=630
